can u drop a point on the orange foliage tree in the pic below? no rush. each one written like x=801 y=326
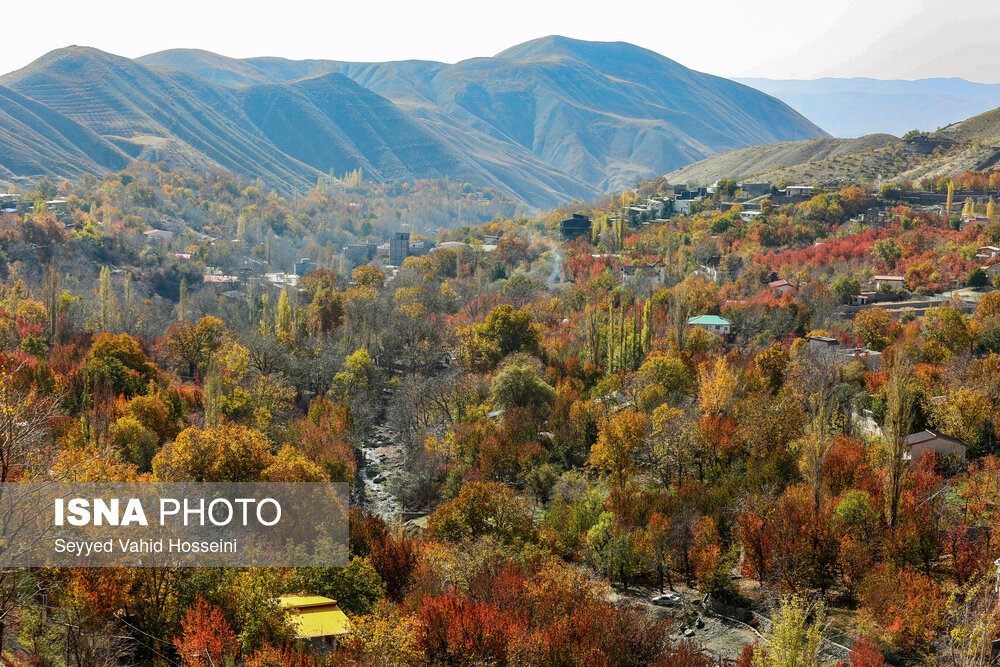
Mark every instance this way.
x=205 y=632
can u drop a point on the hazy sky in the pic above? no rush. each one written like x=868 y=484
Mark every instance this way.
x=787 y=39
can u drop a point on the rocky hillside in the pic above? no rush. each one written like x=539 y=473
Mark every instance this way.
x=972 y=144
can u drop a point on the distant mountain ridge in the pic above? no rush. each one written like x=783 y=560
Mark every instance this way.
x=859 y=106
x=547 y=121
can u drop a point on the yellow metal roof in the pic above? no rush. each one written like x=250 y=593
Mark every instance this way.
x=315 y=616
x=287 y=601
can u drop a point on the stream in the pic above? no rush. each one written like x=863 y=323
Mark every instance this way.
x=382 y=461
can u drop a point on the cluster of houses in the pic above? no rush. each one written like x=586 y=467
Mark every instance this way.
x=824 y=347
x=679 y=200
x=395 y=250
x=9 y=203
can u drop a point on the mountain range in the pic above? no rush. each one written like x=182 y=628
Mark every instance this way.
x=547 y=121
x=859 y=106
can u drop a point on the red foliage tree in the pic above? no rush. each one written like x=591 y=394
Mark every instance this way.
x=865 y=653
x=907 y=607
x=394 y=557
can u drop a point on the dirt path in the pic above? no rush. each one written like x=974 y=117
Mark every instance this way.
x=719 y=637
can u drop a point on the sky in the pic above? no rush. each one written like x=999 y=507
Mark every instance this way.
x=800 y=39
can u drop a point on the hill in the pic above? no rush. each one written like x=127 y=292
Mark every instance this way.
x=547 y=121
x=603 y=114
x=153 y=116
x=36 y=140
x=971 y=144
x=767 y=159
x=859 y=106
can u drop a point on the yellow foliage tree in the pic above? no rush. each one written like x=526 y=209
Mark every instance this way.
x=224 y=453
x=718 y=387
x=386 y=636
x=619 y=441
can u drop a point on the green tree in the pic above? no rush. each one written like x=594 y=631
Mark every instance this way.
x=358 y=375
x=511 y=330
x=136 y=442
x=193 y=345
x=356 y=588
x=873 y=326
x=977 y=278
x=519 y=386
x=225 y=453
x=183 y=307
x=120 y=361
x=948 y=327
x=611 y=549
x=900 y=410
x=845 y=288
x=888 y=250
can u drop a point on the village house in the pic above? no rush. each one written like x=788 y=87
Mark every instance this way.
x=305 y=266
x=316 y=619
x=657 y=206
x=894 y=282
x=574 y=227
x=821 y=343
x=970 y=219
x=781 y=286
x=992 y=272
x=420 y=247
x=360 y=253
x=799 y=191
x=712 y=324
x=987 y=251
x=281 y=279
x=683 y=206
x=159 y=235
x=220 y=279
x=399 y=247
x=945 y=446
x=870 y=358
x=652 y=275
x=753 y=190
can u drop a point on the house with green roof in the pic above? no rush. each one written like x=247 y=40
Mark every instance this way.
x=712 y=324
